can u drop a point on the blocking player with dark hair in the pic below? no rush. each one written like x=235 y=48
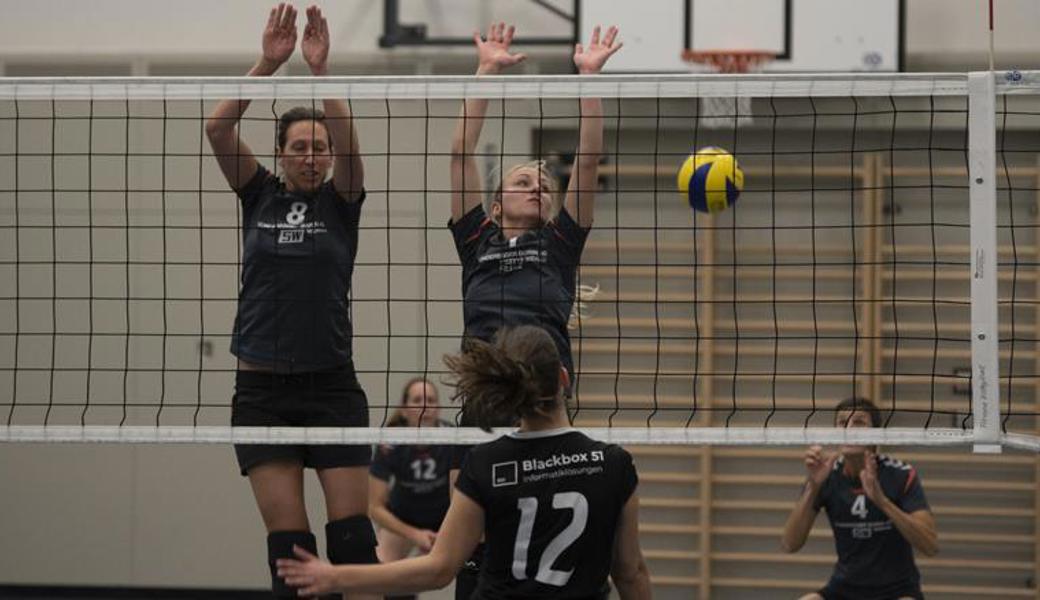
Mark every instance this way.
x=877 y=510
x=559 y=510
x=293 y=334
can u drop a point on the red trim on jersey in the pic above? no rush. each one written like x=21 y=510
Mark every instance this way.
x=910 y=479
x=487 y=221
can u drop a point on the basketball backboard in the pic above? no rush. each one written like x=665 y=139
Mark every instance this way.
x=805 y=35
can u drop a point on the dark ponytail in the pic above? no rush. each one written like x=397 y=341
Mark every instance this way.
x=513 y=377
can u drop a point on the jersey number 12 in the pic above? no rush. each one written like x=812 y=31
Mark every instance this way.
x=431 y=469
x=528 y=506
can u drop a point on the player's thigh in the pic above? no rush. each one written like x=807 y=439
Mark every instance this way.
x=278 y=488
x=392 y=546
x=812 y=596
x=346 y=491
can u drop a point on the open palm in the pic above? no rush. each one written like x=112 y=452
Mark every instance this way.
x=315 y=44
x=493 y=52
x=591 y=58
x=280 y=34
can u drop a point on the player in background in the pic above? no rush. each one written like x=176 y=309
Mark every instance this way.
x=877 y=511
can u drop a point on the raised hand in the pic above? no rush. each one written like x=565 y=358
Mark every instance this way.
x=868 y=478
x=493 y=53
x=819 y=464
x=315 y=44
x=590 y=60
x=279 y=39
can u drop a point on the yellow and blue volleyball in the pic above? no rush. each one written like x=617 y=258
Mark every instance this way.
x=711 y=179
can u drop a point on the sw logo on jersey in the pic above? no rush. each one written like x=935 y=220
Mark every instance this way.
x=290 y=236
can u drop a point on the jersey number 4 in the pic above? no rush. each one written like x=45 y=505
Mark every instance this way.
x=579 y=506
x=859 y=506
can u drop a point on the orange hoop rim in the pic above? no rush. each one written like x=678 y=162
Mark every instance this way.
x=729 y=61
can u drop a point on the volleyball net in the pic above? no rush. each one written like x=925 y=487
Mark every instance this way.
x=884 y=246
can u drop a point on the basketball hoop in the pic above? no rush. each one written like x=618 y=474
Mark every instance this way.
x=728 y=112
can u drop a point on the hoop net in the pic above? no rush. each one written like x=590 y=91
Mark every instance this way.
x=720 y=112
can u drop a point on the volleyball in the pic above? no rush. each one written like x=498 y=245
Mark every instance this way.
x=711 y=179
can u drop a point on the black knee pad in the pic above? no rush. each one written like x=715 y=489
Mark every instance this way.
x=280 y=545
x=410 y=597
x=351 y=541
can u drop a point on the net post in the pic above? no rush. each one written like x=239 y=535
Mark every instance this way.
x=982 y=160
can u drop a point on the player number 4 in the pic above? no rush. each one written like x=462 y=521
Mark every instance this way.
x=528 y=506
x=859 y=506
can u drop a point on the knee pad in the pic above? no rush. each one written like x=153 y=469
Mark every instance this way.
x=411 y=597
x=280 y=545
x=351 y=541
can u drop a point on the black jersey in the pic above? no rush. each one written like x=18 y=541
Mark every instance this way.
x=297 y=261
x=551 y=505
x=528 y=280
x=419 y=495
x=872 y=554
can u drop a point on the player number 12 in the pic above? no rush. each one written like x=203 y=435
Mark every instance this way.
x=528 y=506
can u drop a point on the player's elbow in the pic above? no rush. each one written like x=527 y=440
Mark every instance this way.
x=629 y=572
x=217 y=128
x=443 y=575
x=374 y=513
x=790 y=545
x=589 y=159
x=458 y=148
x=930 y=547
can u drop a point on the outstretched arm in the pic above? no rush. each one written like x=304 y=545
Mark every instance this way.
x=581 y=193
x=459 y=535
x=235 y=158
x=493 y=54
x=347 y=170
